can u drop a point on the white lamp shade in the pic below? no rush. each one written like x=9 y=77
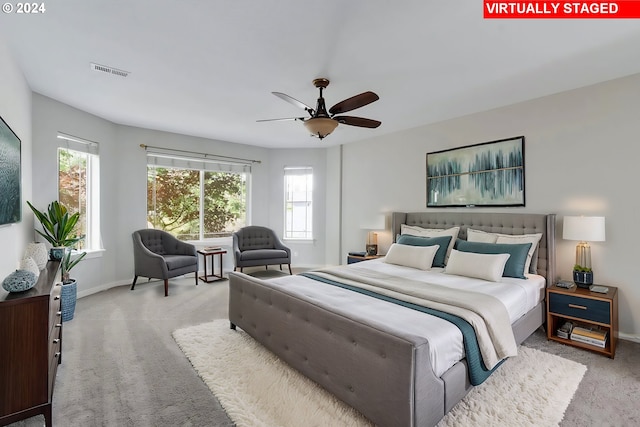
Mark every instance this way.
x=583 y=228
x=374 y=223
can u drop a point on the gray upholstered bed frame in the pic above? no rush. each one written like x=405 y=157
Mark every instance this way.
x=385 y=374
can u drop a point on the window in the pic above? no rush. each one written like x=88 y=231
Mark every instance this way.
x=79 y=187
x=298 y=203
x=196 y=199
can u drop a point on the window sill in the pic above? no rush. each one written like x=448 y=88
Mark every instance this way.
x=91 y=253
x=303 y=241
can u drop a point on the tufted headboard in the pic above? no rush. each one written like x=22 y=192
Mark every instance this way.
x=506 y=223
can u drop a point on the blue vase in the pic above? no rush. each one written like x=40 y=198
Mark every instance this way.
x=56 y=254
x=68 y=297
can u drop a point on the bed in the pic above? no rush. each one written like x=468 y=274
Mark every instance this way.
x=382 y=365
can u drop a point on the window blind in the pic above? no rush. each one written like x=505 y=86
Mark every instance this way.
x=183 y=159
x=77 y=144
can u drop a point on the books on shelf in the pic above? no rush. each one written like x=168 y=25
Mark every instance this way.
x=589 y=335
x=591 y=332
x=587 y=340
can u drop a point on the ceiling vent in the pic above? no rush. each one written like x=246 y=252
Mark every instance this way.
x=109 y=70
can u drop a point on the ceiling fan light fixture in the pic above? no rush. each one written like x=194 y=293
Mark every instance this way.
x=320 y=126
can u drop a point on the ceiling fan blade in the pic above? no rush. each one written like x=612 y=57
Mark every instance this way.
x=354 y=102
x=282 y=120
x=294 y=101
x=358 y=121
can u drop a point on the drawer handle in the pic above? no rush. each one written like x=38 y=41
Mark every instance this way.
x=56 y=355
x=58 y=325
x=581 y=307
x=59 y=313
x=56 y=341
x=56 y=298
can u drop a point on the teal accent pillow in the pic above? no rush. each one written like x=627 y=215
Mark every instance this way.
x=517 y=259
x=442 y=241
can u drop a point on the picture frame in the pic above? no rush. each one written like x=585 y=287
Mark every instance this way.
x=10 y=175
x=486 y=174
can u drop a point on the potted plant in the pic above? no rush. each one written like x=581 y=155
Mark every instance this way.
x=582 y=276
x=58 y=227
x=69 y=291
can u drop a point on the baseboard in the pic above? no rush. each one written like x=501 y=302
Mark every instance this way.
x=628 y=337
x=127 y=282
x=103 y=287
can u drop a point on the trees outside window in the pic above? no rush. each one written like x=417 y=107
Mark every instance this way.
x=195 y=204
x=78 y=190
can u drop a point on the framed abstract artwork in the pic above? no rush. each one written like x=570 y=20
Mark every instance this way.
x=10 y=191
x=486 y=174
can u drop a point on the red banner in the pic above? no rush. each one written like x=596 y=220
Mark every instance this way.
x=623 y=9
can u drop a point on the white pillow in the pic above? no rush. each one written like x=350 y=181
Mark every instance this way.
x=411 y=256
x=512 y=239
x=432 y=232
x=480 y=266
x=480 y=236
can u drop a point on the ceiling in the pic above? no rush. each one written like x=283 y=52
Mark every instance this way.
x=207 y=68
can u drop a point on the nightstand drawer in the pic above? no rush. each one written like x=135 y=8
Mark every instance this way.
x=582 y=308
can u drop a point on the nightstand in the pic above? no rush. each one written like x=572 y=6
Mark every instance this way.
x=356 y=258
x=582 y=306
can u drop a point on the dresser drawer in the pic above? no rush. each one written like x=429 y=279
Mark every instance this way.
x=54 y=359
x=581 y=308
x=55 y=313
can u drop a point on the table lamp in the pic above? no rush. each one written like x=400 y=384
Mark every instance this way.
x=375 y=224
x=584 y=229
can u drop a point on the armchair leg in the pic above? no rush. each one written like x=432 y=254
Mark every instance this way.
x=266 y=267
x=290 y=272
x=280 y=267
x=166 y=287
x=133 y=285
x=196 y=273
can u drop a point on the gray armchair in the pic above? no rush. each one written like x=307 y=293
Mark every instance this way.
x=159 y=255
x=255 y=245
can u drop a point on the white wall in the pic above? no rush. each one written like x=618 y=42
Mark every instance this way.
x=581 y=157
x=49 y=118
x=15 y=109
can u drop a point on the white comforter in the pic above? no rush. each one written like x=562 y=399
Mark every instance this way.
x=446 y=347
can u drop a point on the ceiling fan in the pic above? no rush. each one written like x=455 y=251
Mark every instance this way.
x=321 y=123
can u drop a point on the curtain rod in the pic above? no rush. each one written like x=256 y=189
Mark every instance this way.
x=205 y=155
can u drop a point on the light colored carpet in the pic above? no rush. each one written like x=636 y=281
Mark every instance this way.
x=257 y=389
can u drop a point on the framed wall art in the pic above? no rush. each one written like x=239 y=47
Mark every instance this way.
x=486 y=174
x=10 y=191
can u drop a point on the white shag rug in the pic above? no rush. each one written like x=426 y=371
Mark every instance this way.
x=259 y=390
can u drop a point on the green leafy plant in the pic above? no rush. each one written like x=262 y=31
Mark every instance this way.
x=57 y=225
x=581 y=269
x=67 y=263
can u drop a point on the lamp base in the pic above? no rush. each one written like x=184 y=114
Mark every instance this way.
x=372 y=250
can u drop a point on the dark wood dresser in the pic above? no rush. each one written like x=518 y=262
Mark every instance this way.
x=30 y=348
